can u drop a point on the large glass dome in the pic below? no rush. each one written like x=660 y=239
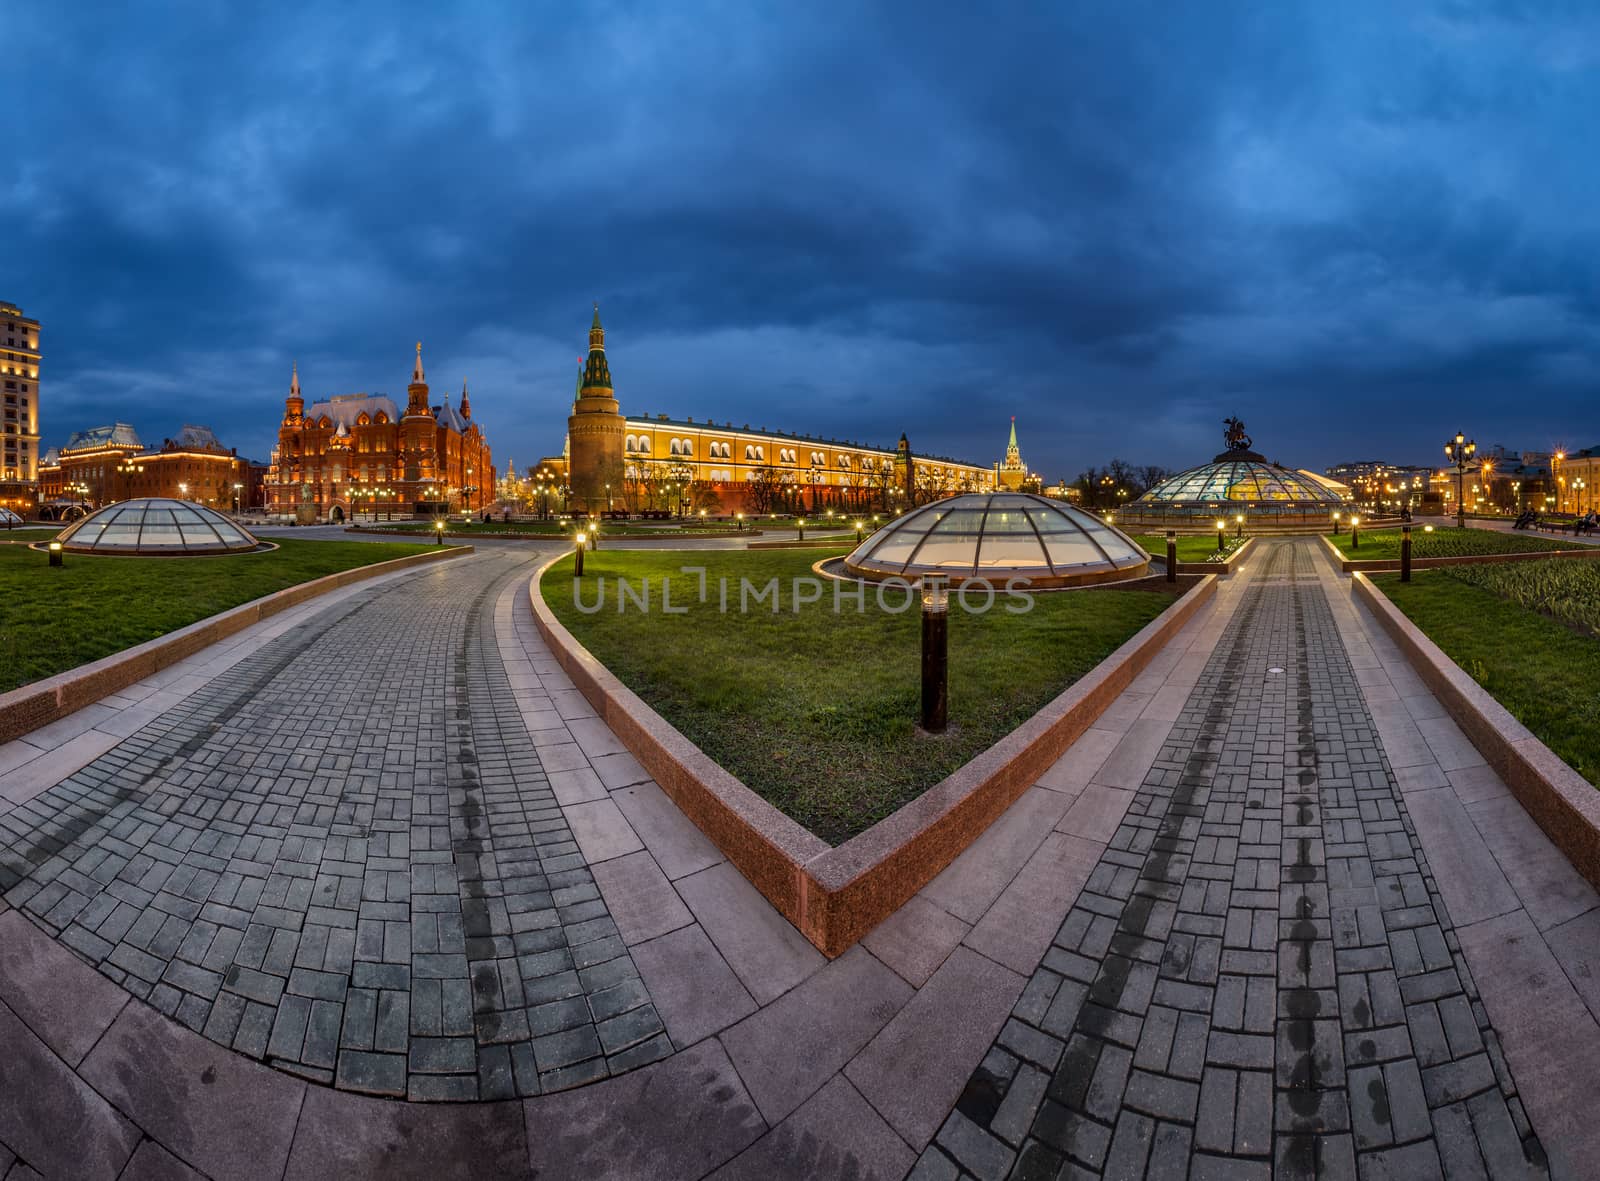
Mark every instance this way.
x=1240 y=478
x=998 y=536
x=154 y=525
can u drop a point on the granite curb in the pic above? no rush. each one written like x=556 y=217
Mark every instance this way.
x=836 y=895
x=28 y=707
x=1563 y=803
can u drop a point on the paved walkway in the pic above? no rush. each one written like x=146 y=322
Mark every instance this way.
x=1216 y=956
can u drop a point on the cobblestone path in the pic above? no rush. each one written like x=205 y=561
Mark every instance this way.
x=343 y=857
x=1259 y=978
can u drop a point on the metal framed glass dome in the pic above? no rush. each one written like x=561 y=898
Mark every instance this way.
x=1234 y=477
x=155 y=525
x=998 y=536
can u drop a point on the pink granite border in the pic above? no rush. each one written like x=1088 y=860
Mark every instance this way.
x=39 y=703
x=1389 y=565
x=834 y=896
x=1564 y=803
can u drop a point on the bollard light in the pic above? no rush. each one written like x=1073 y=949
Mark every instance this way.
x=860 y=532
x=740 y=518
x=1172 y=555
x=1355 y=532
x=801 y=526
x=594 y=536
x=577 y=555
x=1336 y=524
x=1405 y=553
x=935 y=651
x=55 y=553
x=1238 y=519
x=1427 y=528
x=1221 y=525
x=438 y=533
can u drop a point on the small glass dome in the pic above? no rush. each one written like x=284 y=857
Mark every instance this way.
x=155 y=525
x=997 y=536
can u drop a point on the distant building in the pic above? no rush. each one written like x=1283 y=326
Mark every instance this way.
x=106 y=464
x=1378 y=484
x=360 y=452
x=616 y=462
x=1011 y=474
x=19 y=425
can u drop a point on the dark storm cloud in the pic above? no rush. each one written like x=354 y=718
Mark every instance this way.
x=1358 y=227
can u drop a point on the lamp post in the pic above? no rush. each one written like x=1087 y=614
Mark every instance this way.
x=1460 y=451
x=800 y=528
x=860 y=532
x=577 y=554
x=1221 y=525
x=935 y=652
x=1336 y=524
x=183 y=491
x=237 y=490
x=1355 y=532
x=1405 y=553
x=55 y=553
x=594 y=535
x=1238 y=525
x=438 y=532
x=1172 y=555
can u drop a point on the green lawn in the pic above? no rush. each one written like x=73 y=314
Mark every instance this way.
x=552 y=528
x=53 y=619
x=1544 y=671
x=817 y=711
x=1190 y=547
x=1445 y=542
x=24 y=535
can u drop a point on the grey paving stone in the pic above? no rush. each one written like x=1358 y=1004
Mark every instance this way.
x=50 y=1117
x=234 y=1118
x=639 y=897
x=679 y=1118
x=62 y=1002
x=788 y=1049
x=759 y=944
x=835 y=1133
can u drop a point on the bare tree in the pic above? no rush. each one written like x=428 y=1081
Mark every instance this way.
x=1150 y=475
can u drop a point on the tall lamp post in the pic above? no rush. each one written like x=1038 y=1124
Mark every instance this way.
x=1460 y=451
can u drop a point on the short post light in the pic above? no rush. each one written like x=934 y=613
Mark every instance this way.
x=800 y=527
x=1336 y=524
x=1172 y=555
x=594 y=536
x=55 y=553
x=861 y=532
x=1355 y=532
x=1221 y=525
x=577 y=554
x=740 y=518
x=1405 y=553
x=935 y=652
x=1238 y=525
x=438 y=532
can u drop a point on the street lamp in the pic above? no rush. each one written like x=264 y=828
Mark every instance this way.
x=1238 y=522
x=183 y=491
x=1336 y=524
x=1221 y=525
x=237 y=489
x=1460 y=451
x=935 y=652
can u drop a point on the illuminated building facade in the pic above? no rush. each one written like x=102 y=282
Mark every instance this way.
x=19 y=424
x=110 y=463
x=614 y=462
x=362 y=453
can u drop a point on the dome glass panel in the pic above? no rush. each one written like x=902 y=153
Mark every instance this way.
x=998 y=536
x=157 y=526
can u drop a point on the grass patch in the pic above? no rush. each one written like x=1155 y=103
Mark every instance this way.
x=1449 y=542
x=26 y=535
x=1190 y=548
x=556 y=528
x=816 y=711
x=53 y=619
x=1546 y=673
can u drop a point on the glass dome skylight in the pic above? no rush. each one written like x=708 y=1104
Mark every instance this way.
x=998 y=536
x=154 y=525
x=1231 y=478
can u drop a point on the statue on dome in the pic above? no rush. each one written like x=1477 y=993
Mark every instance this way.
x=1233 y=432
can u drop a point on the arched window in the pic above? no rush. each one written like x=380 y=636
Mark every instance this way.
x=363 y=419
x=844 y=462
x=381 y=419
x=631 y=443
x=749 y=452
x=644 y=445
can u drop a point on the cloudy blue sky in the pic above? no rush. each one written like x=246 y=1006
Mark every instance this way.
x=1358 y=226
